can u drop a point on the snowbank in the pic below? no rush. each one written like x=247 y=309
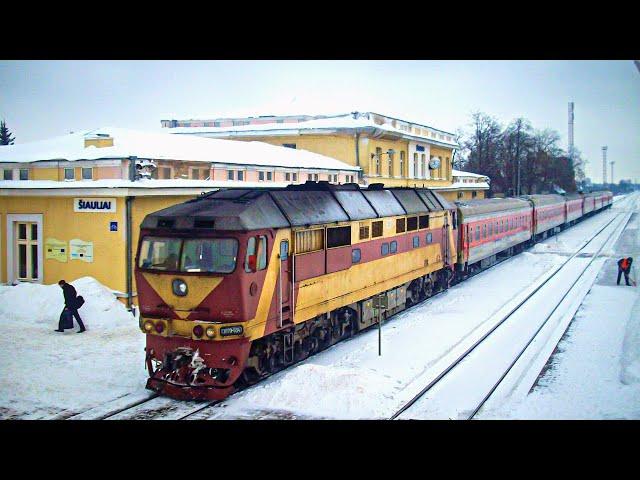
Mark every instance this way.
x=42 y=304
x=323 y=391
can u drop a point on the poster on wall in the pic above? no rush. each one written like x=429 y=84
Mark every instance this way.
x=81 y=250
x=56 y=249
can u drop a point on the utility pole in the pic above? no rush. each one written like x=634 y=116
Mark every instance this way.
x=571 y=130
x=604 y=165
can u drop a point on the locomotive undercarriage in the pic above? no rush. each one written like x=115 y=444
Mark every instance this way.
x=283 y=348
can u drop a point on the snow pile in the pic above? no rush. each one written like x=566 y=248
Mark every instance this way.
x=46 y=373
x=631 y=348
x=323 y=391
x=42 y=304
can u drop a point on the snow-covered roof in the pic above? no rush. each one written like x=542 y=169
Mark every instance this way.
x=340 y=122
x=460 y=173
x=163 y=146
x=462 y=186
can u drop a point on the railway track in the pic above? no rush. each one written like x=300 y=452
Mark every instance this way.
x=464 y=358
x=152 y=406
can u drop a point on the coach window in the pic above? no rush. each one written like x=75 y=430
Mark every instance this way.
x=356 y=255
x=484 y=231
x=424 y=221
x=384 y=249
x=478 y=232
x=412 y=224
x=429 y=238
x=393 y=247
x=491 y=229
x=416 y=241
x=376 y=229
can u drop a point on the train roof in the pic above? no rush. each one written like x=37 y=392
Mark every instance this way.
x=312 y=203
x=484 y=206
x=540 y=200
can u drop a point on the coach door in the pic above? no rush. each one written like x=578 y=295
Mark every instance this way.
x=284 y=284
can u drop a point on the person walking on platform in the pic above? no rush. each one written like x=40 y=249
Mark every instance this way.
x=624 y=266
x=71 y=303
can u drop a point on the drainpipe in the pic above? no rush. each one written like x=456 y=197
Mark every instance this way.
x=129 y=235
x=129 y=238
x=358 y=156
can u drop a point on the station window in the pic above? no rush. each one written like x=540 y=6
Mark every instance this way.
x=364 y=230
x=269 y=176
x=69 y=174
x=429 y=238
x=400 y=225
x=87 y=173
x=384 y=249
x=412 y=224
x=240 y=175
x=376 y=229
x=230 y=175
x=338 y=237
x=393 y=247
x=8 y=174
x=24 y=174
x=289 y=145
x=474 y=194
x=166 y=173
x=356 y=255
x=287 y=177
x=416 y=241
x=295 y=177
x=424 y=221
x=261 y=176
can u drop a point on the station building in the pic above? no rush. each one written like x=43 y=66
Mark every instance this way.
x=386 y=149
x=71 y=206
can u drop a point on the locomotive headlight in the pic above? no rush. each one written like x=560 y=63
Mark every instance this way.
x=198 y=331
x=148 y=326
x=211 y=332
x=179 y=287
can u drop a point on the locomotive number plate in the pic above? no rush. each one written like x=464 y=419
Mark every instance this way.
x=228 y=331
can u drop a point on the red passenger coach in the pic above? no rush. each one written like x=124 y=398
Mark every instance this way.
x=573 y=208
x=490 y=228
x=549 y=213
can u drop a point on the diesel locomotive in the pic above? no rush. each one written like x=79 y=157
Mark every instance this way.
x=240 y=283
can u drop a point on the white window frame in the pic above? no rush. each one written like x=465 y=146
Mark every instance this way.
x=65 y=174
x=82 y=170
x=12 y=218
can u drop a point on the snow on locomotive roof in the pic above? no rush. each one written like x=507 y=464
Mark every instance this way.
x=164 y=146
x=297 y=205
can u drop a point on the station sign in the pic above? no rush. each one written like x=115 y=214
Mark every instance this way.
x=91 y=204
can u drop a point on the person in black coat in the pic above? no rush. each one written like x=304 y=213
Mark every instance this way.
x=71 y=304
x=624 y=266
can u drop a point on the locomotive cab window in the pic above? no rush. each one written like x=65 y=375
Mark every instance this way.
x=256 y=258
x=338 y=237
x=210 y=255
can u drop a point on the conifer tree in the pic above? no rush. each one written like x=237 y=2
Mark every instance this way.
x=6 y=138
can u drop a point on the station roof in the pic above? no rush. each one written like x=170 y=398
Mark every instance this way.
x=164 y=146
x=349 y=123
x=296 y=206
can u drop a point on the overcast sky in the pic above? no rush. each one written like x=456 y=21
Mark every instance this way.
x=40 y=99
